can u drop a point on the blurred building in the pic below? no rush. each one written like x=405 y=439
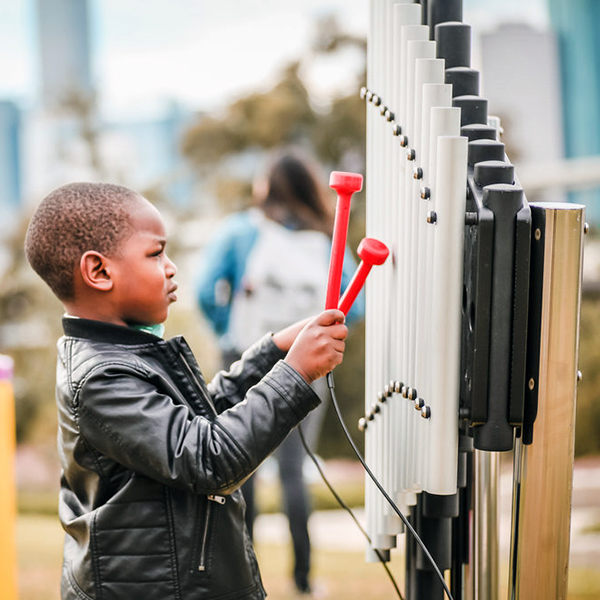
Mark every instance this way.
x=65 y=137
x=10 y=163
x=577 y=26
x=521 y=80
x=64 y=47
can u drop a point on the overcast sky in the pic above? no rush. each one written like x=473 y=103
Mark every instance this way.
x=148 y=51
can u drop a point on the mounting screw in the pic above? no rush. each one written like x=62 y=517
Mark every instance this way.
x=471 y=218
x=531 y=384
x=464 y=413
x=537 y=234
x=586 y=228
x=579 y=375
x=432 y=216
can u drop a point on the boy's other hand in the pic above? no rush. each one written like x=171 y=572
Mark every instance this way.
x=320 y=345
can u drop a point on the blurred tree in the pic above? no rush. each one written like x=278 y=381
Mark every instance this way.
x=587 y=426
x=29 y=327
x=282 y=115
x=286 y=114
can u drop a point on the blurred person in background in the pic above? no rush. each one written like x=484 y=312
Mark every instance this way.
x=267 y=267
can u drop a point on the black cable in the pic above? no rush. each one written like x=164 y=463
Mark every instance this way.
x=331 y=385
x=347 y=509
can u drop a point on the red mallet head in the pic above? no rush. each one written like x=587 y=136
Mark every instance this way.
x=345 y=184
x=372 y=252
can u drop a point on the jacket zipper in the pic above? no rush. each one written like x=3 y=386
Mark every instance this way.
x=212 y=498
x=197 y=382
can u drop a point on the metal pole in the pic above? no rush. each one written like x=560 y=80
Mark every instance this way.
x=485 y=542
x=543 y=474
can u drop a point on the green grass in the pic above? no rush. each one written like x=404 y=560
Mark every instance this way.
x=343 y=575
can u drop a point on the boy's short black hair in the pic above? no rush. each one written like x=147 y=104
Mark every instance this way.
x=72 y=220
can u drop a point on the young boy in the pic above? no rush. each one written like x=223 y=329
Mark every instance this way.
x=152 y=458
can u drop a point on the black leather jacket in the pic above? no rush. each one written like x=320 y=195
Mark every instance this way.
x=153 y=459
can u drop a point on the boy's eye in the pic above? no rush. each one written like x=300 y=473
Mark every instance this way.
x=157 y=252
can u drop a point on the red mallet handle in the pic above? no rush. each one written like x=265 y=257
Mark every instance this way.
x=372 y=252
x=345 y=184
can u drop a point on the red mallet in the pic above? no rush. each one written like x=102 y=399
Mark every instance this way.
x=372 y=252
x=345 y=184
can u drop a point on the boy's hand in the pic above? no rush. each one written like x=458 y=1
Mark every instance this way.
x=285 y=337
x=319 y=347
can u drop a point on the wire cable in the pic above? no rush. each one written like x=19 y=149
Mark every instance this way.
x=345 y=506
x=409 y=527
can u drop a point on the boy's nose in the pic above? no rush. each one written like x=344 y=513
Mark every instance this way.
x=170 y=268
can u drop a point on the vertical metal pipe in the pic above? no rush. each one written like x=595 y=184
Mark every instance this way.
x=485 y=542
x=543 y=478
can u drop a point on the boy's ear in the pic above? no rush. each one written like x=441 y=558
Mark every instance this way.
x=95 y=271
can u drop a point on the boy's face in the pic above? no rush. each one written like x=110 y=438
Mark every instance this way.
x=142 y=274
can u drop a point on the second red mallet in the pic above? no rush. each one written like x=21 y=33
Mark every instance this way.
x=371 y=252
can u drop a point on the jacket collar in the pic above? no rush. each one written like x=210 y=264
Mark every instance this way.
x=106 y=332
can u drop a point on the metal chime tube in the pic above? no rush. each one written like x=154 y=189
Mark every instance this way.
x=409 y=34
x=449 y=207
x=407 y=19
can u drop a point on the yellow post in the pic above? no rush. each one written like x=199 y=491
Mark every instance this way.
x=8 y=502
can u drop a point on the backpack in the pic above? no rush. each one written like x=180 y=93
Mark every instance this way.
x=285 y=280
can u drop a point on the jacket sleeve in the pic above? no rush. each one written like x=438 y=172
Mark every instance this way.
x=227 y=388
x=124 y=417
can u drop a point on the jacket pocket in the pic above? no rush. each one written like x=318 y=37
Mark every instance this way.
x=69 y=588
x=207 y=515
